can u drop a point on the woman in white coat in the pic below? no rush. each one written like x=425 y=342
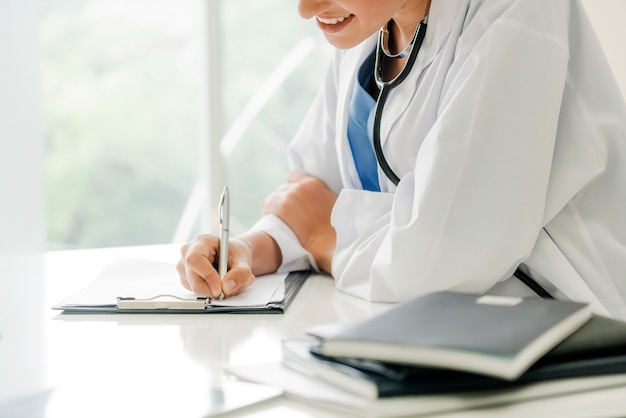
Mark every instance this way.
x=507 y=140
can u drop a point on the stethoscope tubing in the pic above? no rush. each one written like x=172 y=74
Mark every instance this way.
x=378 y=148
x=385 y=88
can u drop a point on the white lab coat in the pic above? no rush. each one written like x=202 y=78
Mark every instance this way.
x=509 y=137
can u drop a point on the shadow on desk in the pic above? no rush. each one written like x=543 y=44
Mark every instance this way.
x=26 y=407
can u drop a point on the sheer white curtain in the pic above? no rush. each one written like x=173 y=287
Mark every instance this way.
x=21 y=203
x=21 y=220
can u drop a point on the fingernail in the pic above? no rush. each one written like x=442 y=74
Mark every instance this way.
x=215 y=289
x=228 y=286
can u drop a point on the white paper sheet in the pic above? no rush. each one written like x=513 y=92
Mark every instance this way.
x=143 y=279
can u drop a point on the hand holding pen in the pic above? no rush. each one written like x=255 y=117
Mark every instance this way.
x=203 y=265
x=218 y=267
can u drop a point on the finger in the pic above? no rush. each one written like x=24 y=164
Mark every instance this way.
x=237 y=279
x=200 y=274
x=269 y=204
x=180 y=268
x=277 y=198
x=296 y=176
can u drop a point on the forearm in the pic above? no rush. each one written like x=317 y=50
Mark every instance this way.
x=263 y=252
x=305 y=204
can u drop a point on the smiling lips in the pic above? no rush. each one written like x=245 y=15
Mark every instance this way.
x=332 y=25
x=332 y=20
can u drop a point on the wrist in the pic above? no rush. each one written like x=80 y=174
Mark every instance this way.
x=322 y=250
x=263 y=253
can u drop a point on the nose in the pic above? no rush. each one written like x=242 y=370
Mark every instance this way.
x=310 y=8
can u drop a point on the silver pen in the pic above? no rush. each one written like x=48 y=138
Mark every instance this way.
x=224 y=217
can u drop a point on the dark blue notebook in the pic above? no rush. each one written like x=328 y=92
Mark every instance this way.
x=492 y=335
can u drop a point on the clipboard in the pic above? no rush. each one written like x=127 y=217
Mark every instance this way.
x=136 y=286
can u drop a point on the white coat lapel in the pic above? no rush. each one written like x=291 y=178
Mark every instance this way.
x=444 y=15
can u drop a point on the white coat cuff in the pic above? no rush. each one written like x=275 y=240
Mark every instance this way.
x=294 y=256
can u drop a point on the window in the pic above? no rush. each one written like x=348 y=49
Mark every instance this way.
x=122 y=87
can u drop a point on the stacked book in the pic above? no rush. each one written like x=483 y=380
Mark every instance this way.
x=449 y=343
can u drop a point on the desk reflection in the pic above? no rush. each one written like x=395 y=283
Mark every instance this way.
x=22 y=340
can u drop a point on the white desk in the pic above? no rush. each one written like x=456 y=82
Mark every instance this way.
x=54 y=365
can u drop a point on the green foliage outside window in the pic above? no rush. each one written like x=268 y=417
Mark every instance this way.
x=121 y=86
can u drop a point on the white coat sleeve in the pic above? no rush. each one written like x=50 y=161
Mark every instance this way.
x=471 y=210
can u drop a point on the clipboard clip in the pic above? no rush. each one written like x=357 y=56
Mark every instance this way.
x=163 y=302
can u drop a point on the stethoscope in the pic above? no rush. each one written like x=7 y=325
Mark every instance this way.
x=385 y=87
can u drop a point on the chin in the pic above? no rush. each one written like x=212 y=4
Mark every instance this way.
x=341 y=43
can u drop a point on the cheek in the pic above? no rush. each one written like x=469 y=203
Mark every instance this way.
x=376 y=13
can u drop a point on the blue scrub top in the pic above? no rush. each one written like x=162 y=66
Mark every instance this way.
x=360 y=127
